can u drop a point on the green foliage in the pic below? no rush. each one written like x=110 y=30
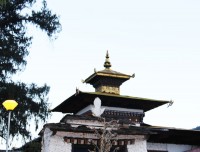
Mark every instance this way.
x=14 y=45
x=33 y=146
x=3 y=2
x=32 y=105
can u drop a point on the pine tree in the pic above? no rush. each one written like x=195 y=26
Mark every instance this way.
x=15 y=15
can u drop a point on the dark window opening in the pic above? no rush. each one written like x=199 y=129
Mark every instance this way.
x=82 y=148
x=85 y=148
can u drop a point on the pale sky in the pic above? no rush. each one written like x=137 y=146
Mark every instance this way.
x=157 y=40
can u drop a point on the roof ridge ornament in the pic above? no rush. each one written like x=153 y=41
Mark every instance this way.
x=107 y=63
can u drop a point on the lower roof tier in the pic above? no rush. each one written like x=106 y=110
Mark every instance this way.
x=80 y=100
x=80 y=126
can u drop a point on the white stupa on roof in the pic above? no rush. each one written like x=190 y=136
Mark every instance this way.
x=96 y=109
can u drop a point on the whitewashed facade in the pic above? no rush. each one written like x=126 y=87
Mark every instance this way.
x=55 y=143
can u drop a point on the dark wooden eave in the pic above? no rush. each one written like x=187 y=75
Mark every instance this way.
x=107 y=73
x=67 y=124
x=80 y=100
x=155 y=134
x=174 y=136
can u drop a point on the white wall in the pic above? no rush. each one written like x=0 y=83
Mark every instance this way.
x=178 y=148
x=54 y=143
x=140 y=145
x=168 y=147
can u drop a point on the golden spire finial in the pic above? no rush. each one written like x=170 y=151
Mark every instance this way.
x=107 y=63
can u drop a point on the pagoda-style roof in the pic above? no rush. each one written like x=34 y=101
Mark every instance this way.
x=107 y=80
x=80 y=100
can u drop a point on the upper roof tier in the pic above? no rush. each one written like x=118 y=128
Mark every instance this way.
x=107 y=80
x=80 y=100
x=106 y=83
